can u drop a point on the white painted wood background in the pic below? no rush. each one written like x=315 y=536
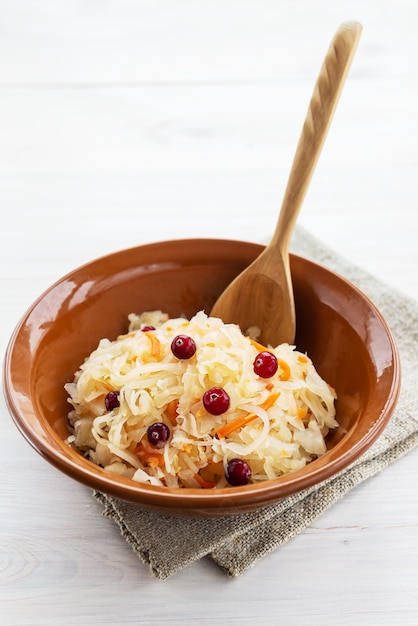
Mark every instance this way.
x=126 y=122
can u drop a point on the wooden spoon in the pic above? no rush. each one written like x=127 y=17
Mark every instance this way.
x=262 y=295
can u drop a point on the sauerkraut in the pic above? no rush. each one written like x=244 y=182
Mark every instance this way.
x=276 y=424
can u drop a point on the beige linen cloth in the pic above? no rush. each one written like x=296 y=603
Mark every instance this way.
x=236 y=543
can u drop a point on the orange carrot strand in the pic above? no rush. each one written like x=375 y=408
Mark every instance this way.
x=259 y=346
x=285 y=370
x=155 y=344
x=243 y=420
x=171 y=411
x=148 y=456
x=205 y=484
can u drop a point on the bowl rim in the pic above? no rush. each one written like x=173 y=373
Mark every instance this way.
x=86 y=472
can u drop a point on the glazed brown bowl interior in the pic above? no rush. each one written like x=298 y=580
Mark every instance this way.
x=339 y=328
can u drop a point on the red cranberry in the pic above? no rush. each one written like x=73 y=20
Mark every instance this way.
x=216 y=400
x=147 y=328
x=112 y=400
x=158 y=434
x=265 y=364
x=238 y=472
x=183 y=347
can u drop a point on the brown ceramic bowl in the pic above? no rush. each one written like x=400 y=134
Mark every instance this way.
x=340 y=329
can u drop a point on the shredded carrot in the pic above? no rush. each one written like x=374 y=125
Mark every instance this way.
x=269 y=386
x=259 y=346
x=204 y=483
x=171 y=411
x=148 y=456
x=239 y=422
x=285 y=370
x=155 y=344
x=302 y=358
x=155 y=460
x=243 y=420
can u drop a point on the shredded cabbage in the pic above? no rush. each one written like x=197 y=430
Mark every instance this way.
x=285 y=418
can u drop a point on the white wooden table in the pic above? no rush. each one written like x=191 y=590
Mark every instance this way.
x=129 y=122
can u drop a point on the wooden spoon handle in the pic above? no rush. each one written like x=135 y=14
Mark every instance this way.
x=323 y=103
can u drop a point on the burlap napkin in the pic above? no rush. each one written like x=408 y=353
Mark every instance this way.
x=236 y=543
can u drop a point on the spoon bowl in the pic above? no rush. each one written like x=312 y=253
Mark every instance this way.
x=260 y=300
